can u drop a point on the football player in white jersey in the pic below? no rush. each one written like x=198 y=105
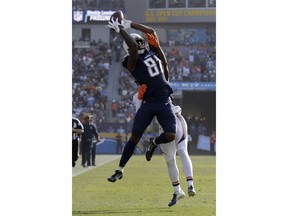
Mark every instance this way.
x=179 y=145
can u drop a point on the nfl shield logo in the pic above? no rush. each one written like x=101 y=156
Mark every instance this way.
x=78 y=16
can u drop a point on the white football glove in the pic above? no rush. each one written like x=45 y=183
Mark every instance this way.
x=113 y=24
x=126 y=24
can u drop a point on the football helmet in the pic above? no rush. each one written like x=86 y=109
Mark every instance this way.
x=142 y=44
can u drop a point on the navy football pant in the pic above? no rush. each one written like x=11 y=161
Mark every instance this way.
x=146 y=112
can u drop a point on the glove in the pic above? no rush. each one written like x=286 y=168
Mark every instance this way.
x=126 y=24
x=152 y=40
x=113 y=24
x=141 y=91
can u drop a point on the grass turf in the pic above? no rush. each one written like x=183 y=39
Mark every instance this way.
x=145 y=189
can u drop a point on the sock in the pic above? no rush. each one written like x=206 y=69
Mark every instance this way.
x=121 y=169
x=176 y=186
x=190 y=181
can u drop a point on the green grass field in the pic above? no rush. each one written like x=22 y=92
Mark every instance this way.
x=145 y=189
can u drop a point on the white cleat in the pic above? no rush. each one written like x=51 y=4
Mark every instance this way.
x=176 y=197
x=191 y=191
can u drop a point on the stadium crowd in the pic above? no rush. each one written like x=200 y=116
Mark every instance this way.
x=127 y=89
x=90 y=79
x=194 y=63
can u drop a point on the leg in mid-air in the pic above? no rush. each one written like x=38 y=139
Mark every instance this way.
x=141 y=122
x=126 y=155
x=164 y=137
x=181 y=142
x=188 y=170
x=169 y=152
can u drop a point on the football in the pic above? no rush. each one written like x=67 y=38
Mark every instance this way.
x=117 y=14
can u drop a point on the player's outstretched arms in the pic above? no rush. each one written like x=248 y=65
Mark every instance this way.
x=133 y=49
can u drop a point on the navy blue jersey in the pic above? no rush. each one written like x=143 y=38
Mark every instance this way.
x=89 y=131
x=149 y=71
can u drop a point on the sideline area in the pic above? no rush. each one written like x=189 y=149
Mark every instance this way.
x=101 y=159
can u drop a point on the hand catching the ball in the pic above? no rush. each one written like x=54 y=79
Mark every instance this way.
x=114 y=24
x=126 y=24
x=152 y=40
x=117 y=20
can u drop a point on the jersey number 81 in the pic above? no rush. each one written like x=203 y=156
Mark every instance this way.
x=154 y=65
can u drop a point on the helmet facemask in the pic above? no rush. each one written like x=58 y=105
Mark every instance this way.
x=142 y=44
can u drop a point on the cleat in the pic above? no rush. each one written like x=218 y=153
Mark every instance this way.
x=117 y=175
x=191 y=191
x=176 y=197
x=150 y=149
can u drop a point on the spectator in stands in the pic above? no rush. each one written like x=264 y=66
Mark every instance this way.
x=185 y=70
x=210 y=65
x=90 y=100
x=174 y=52
x=194 y=133
x=118 y=48
x=202 y=130
x=114 y=108
x=120 y=130
x=189 y=147
x=110 y=129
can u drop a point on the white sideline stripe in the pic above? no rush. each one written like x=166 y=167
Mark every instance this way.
x=98 y=164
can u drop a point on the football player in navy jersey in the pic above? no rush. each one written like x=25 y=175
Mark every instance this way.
x=146 y=68
x=178 y=145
